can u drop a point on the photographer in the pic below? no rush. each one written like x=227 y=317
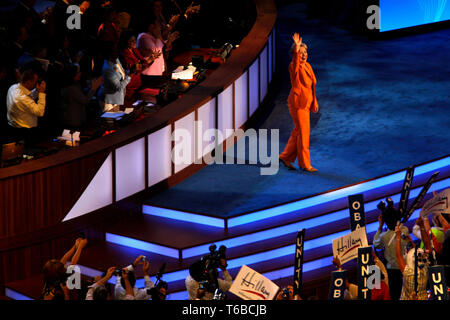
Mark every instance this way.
x=98 y=290
x=139 y=294
x=203 y=280
x=55 y=273
x=160 y=291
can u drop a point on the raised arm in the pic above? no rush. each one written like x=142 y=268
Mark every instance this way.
x=128 y=288
x=442 y=220
x=398 y=249
x=76 y=257
x=424 y=232
x=295 y=57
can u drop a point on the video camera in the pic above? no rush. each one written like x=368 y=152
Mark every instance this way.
x=155 y=292
x=211 y=262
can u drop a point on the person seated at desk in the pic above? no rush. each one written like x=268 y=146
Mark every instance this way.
x=150 y=41
x=132 y=59
x=22 y=109
x=115 y=81
x=74 y=100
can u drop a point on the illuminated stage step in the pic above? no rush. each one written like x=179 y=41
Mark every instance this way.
x=254 y=237
x=307 y=203
x=266 y=247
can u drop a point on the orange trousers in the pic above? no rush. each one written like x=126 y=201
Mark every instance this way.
x=298 y=143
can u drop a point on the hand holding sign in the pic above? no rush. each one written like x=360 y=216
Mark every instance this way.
x=250 y=285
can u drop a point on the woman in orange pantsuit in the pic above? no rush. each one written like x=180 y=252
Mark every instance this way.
x=301 y=100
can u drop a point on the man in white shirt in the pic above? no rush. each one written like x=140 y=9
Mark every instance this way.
x=139 y=294
x=22 y=109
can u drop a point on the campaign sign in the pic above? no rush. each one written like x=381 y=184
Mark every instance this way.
x=357 y=214
x=337 y=286
x=365 y=260
x=250 y=285
x=298 y=266
x=438 y=285
x=437 y=204
x=346 y=247
x=420 y=197
x=407 y=183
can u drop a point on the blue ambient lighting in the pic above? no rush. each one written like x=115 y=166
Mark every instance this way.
x=334 y=195
x=181 y=295
x=307 y=224
x=400 y=14
x=294 y=206
x=277 y=253
x=142 y=245
x=183 y=216
x=261 y=235
x=16 y=295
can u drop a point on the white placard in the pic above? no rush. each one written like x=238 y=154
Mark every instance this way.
x=75 y=136
x=346 y=247
x=438 y=203
x=250 y=285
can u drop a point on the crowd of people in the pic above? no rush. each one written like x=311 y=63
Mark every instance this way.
x=58 y=73
x=402 y=277
x=394 y=254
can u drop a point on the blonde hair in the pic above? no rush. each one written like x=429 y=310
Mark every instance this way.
x=294 y=46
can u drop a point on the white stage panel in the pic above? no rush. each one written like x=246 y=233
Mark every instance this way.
x=98 y=194
x=130 y=169
x=225 y=113
x=206 y=121
x=253 y=87
x=159 y=156
x=240 y=100
x=183 y=136
x=263 y=73
x=270 y=44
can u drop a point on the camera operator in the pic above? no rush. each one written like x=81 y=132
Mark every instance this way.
x=203 y=280
x=139 y=294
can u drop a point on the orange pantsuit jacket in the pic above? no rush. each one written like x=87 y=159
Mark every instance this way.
x=303 y=82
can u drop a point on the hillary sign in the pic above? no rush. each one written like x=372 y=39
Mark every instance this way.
x=346 y=247
x=250 y=285
x=437 y=204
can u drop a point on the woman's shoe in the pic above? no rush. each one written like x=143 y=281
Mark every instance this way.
x=287 y=164
x=311 y=169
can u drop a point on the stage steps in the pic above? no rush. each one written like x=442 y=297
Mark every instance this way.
x=262 y=245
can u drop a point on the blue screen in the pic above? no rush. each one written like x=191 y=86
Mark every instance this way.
x=398 y=14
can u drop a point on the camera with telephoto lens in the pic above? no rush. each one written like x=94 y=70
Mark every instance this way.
x=155 y=292
x=211 y=263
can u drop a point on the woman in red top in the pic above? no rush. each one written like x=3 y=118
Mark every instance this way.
x=132 y=60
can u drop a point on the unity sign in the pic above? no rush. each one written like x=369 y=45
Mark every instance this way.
x=351 y=246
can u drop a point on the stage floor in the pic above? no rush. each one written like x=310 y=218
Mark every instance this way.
x=384 y=105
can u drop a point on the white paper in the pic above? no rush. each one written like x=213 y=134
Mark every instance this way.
x=346 y=247
x=250 y=285
x=437 y=204
x=69 y=137
x=181 y=74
